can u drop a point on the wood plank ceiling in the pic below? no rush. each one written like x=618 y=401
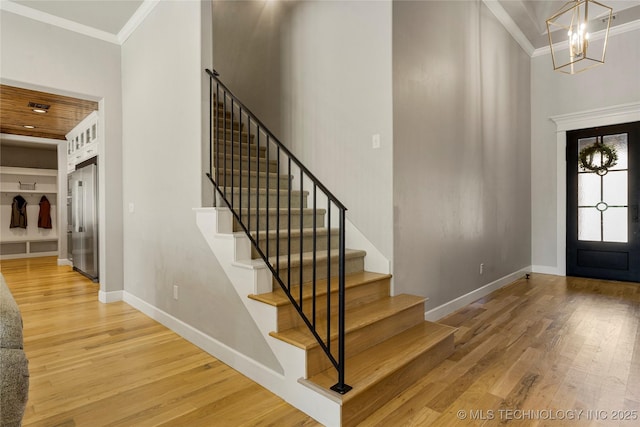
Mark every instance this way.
x=62 y=114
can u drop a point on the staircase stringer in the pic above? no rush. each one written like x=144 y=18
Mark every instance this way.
x=252 y=276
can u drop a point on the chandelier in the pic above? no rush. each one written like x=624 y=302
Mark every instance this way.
x=578 y=35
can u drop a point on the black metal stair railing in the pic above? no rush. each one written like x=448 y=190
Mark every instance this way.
x=247 y=160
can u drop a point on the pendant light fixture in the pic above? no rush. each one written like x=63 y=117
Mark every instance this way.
x=578 y=35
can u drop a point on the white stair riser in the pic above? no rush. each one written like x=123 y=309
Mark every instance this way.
x=366 y=337
x=288 y=316
x=352 y=265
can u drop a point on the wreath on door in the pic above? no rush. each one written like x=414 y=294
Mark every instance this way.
x=608 y=158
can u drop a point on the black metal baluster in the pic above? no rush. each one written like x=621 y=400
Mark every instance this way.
x=217 y=135
x=224 y=136
x=301 y=237
x=257 y=184
x=341 y=387
x=278 y=214
x=248 y=176
x=268 y=171
x=328 y=275
x=232 y=150
x=288 y=224
x=211 y=100
x=233 y=162
x=315 y=233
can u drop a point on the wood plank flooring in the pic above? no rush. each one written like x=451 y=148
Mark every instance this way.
x=534 y=353
x=94 y=364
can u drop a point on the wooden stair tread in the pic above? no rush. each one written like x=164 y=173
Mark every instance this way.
x=277 y=298
x=356 y=318
x=367 y=368
x=321 y=255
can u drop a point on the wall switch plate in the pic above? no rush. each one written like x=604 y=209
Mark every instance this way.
x=175 y=292
x=131 y=207
x=375 y=141
x=481 y=268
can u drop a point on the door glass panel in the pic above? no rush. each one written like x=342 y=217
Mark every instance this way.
x=619 y=142
x=589 y=224
x=614 y=187
x=588 y=189
x=614 y=225
x=603 y=192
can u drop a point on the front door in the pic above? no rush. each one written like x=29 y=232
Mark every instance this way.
x=603 y=192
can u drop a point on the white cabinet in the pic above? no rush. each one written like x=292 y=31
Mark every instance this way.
x=82 y=141
x=31 y=184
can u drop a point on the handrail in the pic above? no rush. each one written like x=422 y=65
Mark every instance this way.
x=228 y=117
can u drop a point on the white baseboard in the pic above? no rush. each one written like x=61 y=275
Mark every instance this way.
x=545 y=269
x=107 y=297
x=65 y=261
x=259 y=373
x=456 y=304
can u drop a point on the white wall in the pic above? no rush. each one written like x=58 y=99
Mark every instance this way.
x=461 y=150
x=614 y=83
x=336 y=95
x=162 y=138
x=39 y=56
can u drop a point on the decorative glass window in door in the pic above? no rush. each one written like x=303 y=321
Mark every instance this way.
x=603 y=188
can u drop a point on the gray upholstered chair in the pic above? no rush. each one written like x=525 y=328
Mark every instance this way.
x=14 y=367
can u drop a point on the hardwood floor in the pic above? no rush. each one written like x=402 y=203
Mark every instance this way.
x=534 y=353
x=94 y=364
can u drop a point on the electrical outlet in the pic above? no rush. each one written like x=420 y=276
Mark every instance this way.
x=481 y=268
x=175 y=292
x=375 y=141
x=132 y=207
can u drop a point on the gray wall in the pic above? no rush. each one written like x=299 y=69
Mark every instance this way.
x=614 y=83
x=43 y=57
x=337 y=96
x=28 y=157
x=319 y=74
x=161 y=67
x=247 y=52
x=461 y=152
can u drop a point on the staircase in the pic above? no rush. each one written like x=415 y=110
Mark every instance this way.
x=288 y=219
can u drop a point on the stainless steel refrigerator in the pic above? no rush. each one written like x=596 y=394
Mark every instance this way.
x=83 y=185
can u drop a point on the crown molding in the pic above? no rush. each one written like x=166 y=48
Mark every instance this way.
x=57 y=21
x=613 y=31
x=136 y=19
x=508 y=23
x=604 y=116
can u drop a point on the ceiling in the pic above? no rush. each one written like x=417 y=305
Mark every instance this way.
x=112 y=20
x=105 y=15
x=109 y=19
x=63 y=113
x=530 y=15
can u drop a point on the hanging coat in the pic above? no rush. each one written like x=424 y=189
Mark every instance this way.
x=44 y=217
x=18 y=212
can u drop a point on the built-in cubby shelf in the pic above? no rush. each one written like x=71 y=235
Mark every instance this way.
x=32 y=241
